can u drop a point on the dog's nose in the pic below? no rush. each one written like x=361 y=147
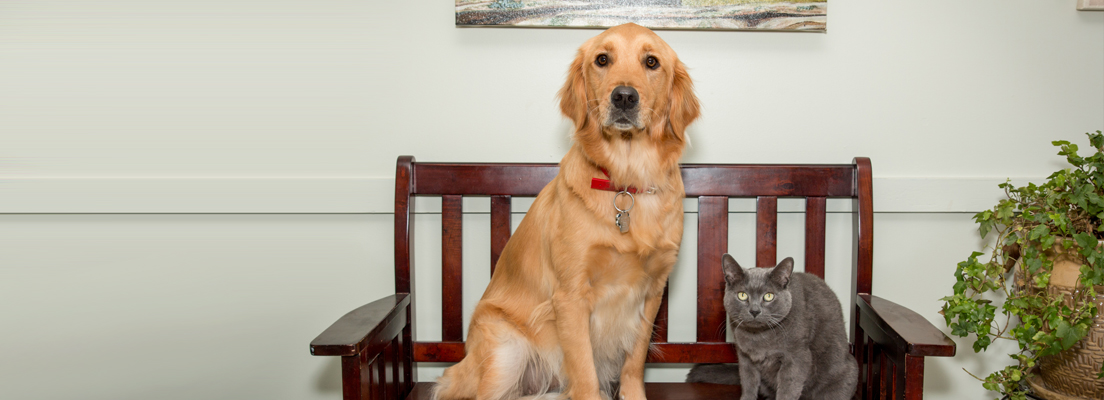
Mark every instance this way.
x=624 y=97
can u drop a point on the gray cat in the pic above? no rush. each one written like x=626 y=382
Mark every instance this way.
x=789 y=335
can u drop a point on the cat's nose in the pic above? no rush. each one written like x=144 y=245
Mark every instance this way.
x=754 y=313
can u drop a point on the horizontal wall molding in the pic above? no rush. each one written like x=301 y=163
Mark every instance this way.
x=376 y=195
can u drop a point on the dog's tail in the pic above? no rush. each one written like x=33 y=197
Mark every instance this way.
x=459 y=382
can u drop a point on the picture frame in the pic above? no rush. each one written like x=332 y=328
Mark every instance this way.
x=1090 y=5
x=757 y=15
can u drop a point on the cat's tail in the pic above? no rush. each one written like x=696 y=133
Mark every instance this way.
x=725 y=374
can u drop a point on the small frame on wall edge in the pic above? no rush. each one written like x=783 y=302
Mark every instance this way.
x=1090 y=5
x=755 y=15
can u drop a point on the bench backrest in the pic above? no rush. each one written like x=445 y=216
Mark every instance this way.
x=711 y=184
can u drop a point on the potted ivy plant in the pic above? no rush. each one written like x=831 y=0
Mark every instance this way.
x=1045 y=275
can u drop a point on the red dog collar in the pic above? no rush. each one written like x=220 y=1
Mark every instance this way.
x=605 y=184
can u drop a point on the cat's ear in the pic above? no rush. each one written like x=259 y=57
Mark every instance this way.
x=782 y=272
x=732 y=269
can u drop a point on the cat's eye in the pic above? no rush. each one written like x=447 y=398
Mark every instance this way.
x=742 y=296
x=768 y=297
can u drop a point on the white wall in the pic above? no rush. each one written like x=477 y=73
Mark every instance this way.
x=190 y=191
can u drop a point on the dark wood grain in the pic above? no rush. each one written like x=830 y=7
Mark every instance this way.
x=815 y=225
x=911 y=333
x=694 y=352
x=913 y=378
x=404 y=254
x=404 y=224
x=893 y=374
x=384 y=362
x=766 y=231
x=365 y=328
x=354 y=386
x=746 y=180
x=500 y=227
x=452 y=268
x=733 y=180
x=866 y=370
x=483 y=179
x=712 y=244
x=438 y=351
x=884 y=377
x=409 y=368
x=863 y=226
x=859 y=348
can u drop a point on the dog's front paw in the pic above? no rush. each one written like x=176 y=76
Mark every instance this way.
x=632 y=392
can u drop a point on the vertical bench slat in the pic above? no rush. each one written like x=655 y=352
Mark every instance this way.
x=451 y=268
x=352 y=387
x=384 y=364
x=858 y=350
x=396 y=368
x=712 y=243
x=500 y=227
x=862 y=225
x=868 y=378
x=913 y=378
x=891 y=381
x=815 y=209
x=404 y=225
x=367 y=379
x=378 y=385
x=766 y=231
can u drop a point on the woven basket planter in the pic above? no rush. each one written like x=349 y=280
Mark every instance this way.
x=1071 y=374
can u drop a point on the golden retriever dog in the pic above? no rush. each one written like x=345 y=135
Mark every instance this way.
x=569 y=310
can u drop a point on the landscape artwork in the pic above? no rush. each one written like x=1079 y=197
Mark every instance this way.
x=764 y=15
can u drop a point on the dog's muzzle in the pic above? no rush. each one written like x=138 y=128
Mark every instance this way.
x=624 y=108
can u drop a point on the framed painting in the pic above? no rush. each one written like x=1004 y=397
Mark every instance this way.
x=1090 y=5
x=764 y=15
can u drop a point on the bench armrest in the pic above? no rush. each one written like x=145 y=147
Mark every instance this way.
x=370 y=327
x=908 y=331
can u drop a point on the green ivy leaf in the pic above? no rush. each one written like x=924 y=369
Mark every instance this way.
x=1038 y=232
x=1086 y=240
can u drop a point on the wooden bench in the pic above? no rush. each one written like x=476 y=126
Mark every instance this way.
x=379 y=352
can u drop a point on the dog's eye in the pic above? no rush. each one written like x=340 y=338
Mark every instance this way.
x=602 y=60
x=768 y=297
x=742 y=296
x=652 y=62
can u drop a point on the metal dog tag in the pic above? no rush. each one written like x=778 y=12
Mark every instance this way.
x=622 y=219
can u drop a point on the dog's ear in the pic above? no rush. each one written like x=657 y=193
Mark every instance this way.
x=573 y=99
x=683 y=108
